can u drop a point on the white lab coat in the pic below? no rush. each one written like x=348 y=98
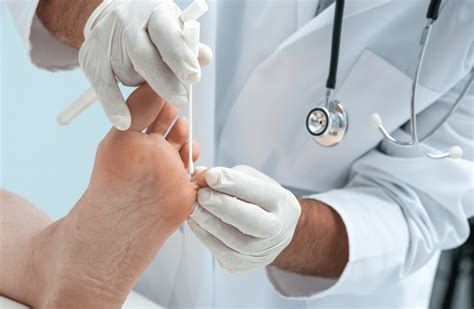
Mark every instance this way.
x=400 y=210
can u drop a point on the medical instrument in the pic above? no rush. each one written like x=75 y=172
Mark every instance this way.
x=195 y=10
x=191 y=35
x=328 y=124
x=375 y=120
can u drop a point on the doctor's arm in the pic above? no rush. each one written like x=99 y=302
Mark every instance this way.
x=137 y=196
x=247 y=219
x=399 y=210
x=319 y=246
x=395 y=214
x=398 y=214
x=66 y=19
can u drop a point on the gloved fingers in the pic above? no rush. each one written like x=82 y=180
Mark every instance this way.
x=179 y=133
x=122 y=66
x=109 y=95
x=236 y=240
x=248 y=218
x=126 y=73
x=184 y=153
x=164 y=120
x=253 y=172
x=164 y=28
x=205 y=55
x=224 y=254
x=229 y=259
x=144 y=105
x=247 y=188
x=227 y=234
x=148 y=62
x=105 y=86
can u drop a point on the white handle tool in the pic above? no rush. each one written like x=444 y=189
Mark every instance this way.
x=195 y=10
x=78 y=106
x=191 y=35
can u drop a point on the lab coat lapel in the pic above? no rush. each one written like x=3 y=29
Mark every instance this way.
x=305 y=10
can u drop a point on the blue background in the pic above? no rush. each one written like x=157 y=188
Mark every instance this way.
x=42 y=161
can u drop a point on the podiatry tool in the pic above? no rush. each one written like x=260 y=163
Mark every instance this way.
x=195 y=10
x=328 y=122
x=191 y=35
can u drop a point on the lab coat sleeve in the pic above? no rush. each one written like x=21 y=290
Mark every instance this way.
x=44 y=50
x=399 y=209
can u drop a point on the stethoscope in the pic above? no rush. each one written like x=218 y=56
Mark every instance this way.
x=328 y=123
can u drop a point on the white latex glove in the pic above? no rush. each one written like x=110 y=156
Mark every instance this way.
x=245 y=218
x=137 y=41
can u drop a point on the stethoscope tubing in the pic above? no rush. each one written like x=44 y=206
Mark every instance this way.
x=434 y=10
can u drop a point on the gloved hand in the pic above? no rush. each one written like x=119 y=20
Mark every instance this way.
x=244 y=217
x=137 y=41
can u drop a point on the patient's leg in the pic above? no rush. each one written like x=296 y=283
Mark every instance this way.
x=20 y=222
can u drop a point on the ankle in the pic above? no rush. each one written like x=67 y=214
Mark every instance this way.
x=63 y=283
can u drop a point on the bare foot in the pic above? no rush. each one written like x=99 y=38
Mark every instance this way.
x=137 y=196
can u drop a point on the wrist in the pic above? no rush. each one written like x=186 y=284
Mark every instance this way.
x=285 y=259
x=320 y=245
x=66 y=19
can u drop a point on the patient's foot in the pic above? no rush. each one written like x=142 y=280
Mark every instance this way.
x=137 y=196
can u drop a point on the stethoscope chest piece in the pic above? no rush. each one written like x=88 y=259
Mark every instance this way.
x=328 y=125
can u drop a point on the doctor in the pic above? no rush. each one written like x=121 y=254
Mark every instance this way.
x=371 y=218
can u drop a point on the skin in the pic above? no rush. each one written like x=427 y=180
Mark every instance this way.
x=66 y=19
x=137 y=196
x=320 y=246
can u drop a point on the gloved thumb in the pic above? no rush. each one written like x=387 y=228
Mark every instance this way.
x=114 y=104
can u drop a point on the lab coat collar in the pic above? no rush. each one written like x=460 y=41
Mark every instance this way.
x=326 y=17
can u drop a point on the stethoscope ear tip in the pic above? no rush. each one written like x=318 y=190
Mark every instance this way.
x=455 y=152
x=375 y=120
